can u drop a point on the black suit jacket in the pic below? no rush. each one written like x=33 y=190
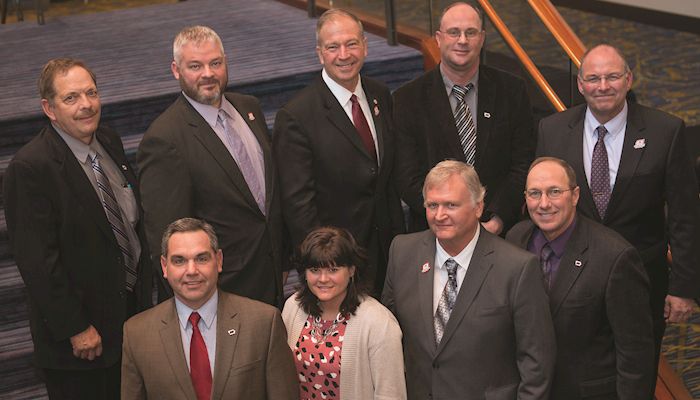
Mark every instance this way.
x=328 y=177
x=499 y=341
x=655 y=175
x=599 y=303
x=66 y=251
x=186 y=171
x=427 y=134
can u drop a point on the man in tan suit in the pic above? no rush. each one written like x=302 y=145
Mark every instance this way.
x=204 y=343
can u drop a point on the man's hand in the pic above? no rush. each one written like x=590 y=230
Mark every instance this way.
x=677 y=309
x=494 y=225
x=87 y=344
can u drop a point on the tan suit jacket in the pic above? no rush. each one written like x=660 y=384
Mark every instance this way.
x=253 y=360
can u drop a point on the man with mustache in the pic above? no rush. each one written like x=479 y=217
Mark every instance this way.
x=636 y=177
x=334 y=144
x=465 y=111
x=208 y=157
x=73 y=218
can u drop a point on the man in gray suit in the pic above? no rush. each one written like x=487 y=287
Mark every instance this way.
x=598 y=292
x=472 y=308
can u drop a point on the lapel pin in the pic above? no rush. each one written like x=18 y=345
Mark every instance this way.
x=376 y=111
x=251 y=116
x=375 y=101
x=231 y=332
x=578 y=263
x=124 y=167
x=425 y=268
x=640 y=143
x=487 y=114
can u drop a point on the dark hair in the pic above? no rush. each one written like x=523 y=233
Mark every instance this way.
x=54 y=67
x=570 y=173
x=188 y=225
x=325 y=247
x=477 y=9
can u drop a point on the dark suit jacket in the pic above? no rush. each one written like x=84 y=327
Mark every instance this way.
x=427 y=134
x=599 y=302
x=328 y=177
x=253 y=360
x=654 y=174
x=186 y=171
x=66 y=251
x=499 y=340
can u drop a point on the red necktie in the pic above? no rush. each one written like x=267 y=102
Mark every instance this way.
x=200 y=371
x=360 y=122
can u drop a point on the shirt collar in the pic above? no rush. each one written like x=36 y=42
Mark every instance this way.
x=342 y=94
x=614 y=127
x=80 y=150
x=207 y=311
x=449 y=84
x=558 y=245
x=211 y=113
x=462 y=258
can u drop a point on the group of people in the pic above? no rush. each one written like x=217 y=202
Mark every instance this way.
x=572 y=304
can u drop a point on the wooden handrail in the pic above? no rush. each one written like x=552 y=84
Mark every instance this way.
x=522 y=56
x=669 y=385
x=562 y=32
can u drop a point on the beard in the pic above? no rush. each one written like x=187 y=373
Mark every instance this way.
x=211 y=97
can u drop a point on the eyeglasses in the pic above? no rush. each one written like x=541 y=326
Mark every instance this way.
x=455 y=33
x=552 y=193
x=596 y=79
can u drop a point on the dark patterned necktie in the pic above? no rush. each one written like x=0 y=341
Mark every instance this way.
x=545 y=261
x=116 y=222
x=465 y=123
x=600 y=174
x=447 y=300
x=200 y=370
x=362 y=127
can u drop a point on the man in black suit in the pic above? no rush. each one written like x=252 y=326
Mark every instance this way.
x=208 y=156
x=490 y=126
x=598 y=292
x=334 y=145
x=472 y=307
x=638 y=180
x=73 y=218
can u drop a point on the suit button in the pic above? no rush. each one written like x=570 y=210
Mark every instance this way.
x=436 y=365
x=373 y=171
x=122 y=294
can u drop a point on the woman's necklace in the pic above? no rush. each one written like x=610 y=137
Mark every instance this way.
x=320 y=334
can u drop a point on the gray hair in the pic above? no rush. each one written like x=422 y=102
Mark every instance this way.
x=332 y=14
x=445 y=169
x=188 y=225
x=194 y=34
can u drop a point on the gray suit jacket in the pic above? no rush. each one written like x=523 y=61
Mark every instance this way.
x=253 y=360
x=499 y=340
x=599 y=302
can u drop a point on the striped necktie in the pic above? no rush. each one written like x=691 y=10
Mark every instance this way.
x=447 y=300
x=114 y=217
x=465 y=123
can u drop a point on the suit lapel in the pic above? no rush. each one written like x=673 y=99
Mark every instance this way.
x=337 y=116
x=629 y=160
x=78 y=183
x=479 y=268
x=575 y=157
x=172 y=347
x=572 y=264
x=116 y=153
x=425 y=289
x=207 y=137
x=227 y=331
x=377 y=110
x=438 y=106
x=485 y=106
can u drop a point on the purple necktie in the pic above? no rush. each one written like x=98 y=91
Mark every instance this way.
x=600 y=174
x=545 y=256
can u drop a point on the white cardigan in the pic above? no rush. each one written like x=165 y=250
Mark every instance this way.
x=372 y=356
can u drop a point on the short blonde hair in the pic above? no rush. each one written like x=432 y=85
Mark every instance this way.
x=445 y=169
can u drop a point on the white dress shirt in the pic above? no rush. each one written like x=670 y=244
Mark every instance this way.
x=440 y=272
x=613 y=142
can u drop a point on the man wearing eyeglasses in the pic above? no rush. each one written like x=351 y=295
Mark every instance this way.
x=598 y=292
x=636 y=177
x=465 y=111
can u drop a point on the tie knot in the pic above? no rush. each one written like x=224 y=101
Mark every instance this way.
x=223 y=116
x=451 y=266
x=194 y=319
x=546 y=252
x=601 y=132
x=353 y=99
x=461 y=91
x=95 y=159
